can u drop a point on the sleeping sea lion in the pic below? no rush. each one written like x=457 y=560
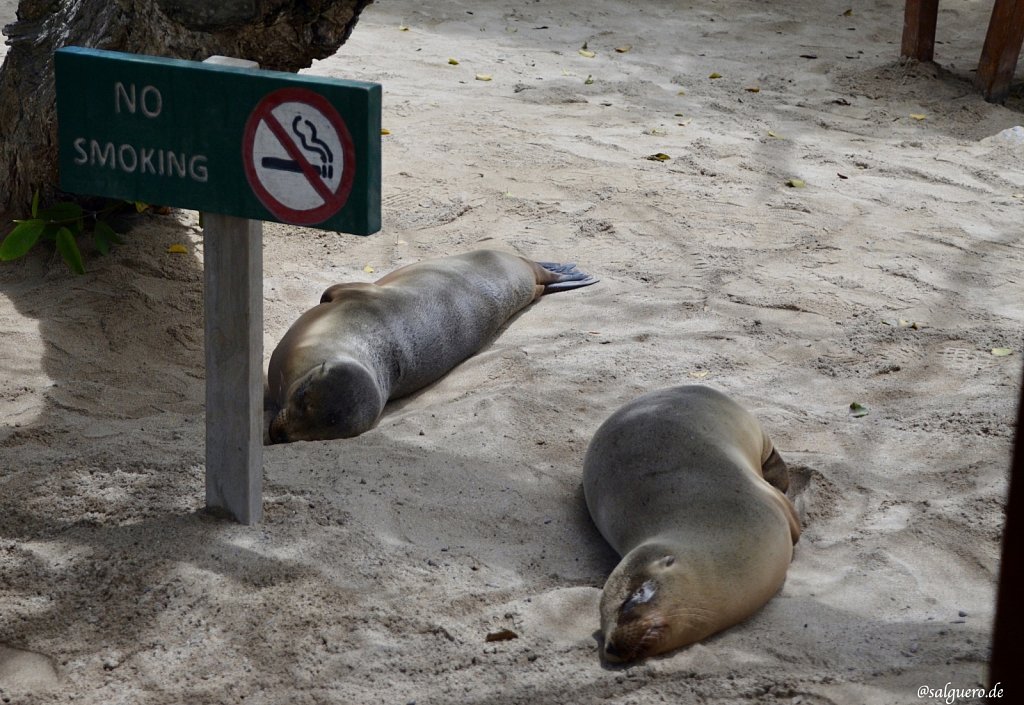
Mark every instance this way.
x=364 y=344
x=687 y=487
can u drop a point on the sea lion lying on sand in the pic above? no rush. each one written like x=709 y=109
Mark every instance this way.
x=687 y=487
x=364 y=344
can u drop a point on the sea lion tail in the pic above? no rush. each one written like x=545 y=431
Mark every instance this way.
x=559 y=277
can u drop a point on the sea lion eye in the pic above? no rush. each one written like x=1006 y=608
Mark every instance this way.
x=641 y=596
x=668 y=561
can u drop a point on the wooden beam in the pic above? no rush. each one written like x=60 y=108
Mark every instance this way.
x=1001 y=50
x=233 y=301
x=919 y=19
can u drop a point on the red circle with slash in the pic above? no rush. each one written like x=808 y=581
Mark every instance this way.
x=298 y=155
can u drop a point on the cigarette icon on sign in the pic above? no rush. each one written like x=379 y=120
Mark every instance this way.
x=313 y=145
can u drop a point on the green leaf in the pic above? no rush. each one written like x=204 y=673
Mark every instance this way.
x=50 y=232
x=104 y=236
x=1002 y=352
x=21 y=239
x=68 y=249
x=62 y=212
x=35 y=204
x=858 y=410
x=140 y=206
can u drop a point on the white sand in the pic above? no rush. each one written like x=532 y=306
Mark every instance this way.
x=384 y=561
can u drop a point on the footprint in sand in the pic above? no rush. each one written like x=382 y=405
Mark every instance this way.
x=26 y=670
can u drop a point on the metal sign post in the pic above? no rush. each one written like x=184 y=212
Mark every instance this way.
x=241 y=145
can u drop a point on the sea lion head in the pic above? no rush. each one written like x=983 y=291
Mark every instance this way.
x=336 y=399
x=644 y=606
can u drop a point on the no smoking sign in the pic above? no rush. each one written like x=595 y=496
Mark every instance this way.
x=248 y=143
x=299 y=157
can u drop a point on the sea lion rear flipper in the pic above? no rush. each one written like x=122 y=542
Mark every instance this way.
x=335 y=292
x=556 y=276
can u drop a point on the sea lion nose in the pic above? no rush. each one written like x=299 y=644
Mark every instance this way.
x=612 y=651
x=277 y=434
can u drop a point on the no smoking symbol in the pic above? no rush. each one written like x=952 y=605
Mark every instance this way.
x=298 y=156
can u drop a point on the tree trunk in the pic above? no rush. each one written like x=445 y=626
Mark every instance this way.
x=285 y=35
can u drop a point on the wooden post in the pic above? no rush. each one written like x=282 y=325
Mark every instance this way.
x=1002 y=47
x=1009 y=623
x=919 y=19
x=233 y=302
x=233 y=295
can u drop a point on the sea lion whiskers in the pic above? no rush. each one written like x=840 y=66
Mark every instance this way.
x=657 y=630
x=650 y=634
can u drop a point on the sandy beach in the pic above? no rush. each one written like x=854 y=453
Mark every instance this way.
x=885 y=276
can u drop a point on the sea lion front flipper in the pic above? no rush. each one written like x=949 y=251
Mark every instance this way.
x=556 y=276
x=774 y=470
x=270 y=409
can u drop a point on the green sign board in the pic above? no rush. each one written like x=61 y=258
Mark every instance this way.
x=256 y=144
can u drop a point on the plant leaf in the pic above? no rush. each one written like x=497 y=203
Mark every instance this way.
x=587 y=54
x=68 y=249
x=483 y=77
x=796 y=183
x=103 y=235
x=858 y=410
x=177 y=249
x=1002 y=352
x=62 y=212
x=140 y=206
x=715 y=75
x=21 y=239
x=453 y=61
x=659 y=157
